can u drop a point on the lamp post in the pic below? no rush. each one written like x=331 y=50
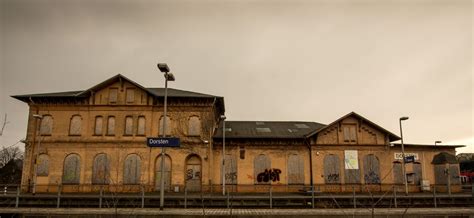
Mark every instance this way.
x=403 y=156
x=168 y=77
x=438 y=142
x=36 y=153
x=223 y=154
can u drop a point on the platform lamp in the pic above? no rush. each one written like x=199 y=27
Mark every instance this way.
x=163 y=67
x=36 y=153
x=403 y=156
x=438 y=142
x=223 y=154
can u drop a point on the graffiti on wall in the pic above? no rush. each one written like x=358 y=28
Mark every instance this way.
x=332 y=178
x=192 y=174
x=231 y=176
x=372 y=177
x=269 y=175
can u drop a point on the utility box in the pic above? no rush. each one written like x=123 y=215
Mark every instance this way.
x=425 y=185
x=176 y=189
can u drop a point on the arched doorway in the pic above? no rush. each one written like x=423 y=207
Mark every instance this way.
x=166 y=173
x=193 y=174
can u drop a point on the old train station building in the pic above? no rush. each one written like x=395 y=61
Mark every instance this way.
x=96 y=138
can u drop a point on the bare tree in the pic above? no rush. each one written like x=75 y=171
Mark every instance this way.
x=9 y=153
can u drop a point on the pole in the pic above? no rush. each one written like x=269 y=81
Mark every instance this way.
x=223 y=157
x=403 y=161
x=162 y=181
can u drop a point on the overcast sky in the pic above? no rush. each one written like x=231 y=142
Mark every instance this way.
x=271 y=60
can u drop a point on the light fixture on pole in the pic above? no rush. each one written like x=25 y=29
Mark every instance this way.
x=223 y=154
x=168 y=77
x=403 y=156
x=438 y=142
x=36 y=151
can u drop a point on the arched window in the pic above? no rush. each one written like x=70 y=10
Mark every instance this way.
x=166 y=172
x=111 y=125
x=72 y=169
x=168 y=126
x=42 y=168
x=101 y=169
x=263 y=171
x=141 y=125
x=331 y=169
x=128 y=125
x=46 y=126
x=98 y=125
x=194 y=126
x=371 y=169
x=295 y=169
x=75 y=125
x=193 y=173
x=131 y=171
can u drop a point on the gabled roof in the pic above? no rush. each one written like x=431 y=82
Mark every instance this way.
x=392 y=137
x=108 y=82
x=267 y=129
x=157 y=92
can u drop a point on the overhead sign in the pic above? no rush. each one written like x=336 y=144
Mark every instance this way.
x=162 y=142
x=399 y=156
x=409 y=159
x=351 y=161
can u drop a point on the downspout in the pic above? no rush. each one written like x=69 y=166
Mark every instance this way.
x=310 y=162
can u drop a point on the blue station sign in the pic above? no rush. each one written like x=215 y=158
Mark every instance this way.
x=162 y=142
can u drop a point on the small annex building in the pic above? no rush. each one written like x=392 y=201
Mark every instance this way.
x=95 y=138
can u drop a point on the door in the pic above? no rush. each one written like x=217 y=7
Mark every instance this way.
x=193 y=174
x=166 y=173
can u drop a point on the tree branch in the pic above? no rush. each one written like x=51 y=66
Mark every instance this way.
x=5 y=122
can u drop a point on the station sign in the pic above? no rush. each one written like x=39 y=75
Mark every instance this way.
x=399 y=156
x=162 y=142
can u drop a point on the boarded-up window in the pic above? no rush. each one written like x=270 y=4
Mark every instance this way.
x=42 y=165
x=349 y=133
x=397 y=173
x=113 y=92
x=230 y=169
x=101 y=169
x=128 y=125
x=371 y=169
x=417 y=173
x=261 y=168
x=168 y=126
x=295 y=169
x=75 y=125
x=166 y=173
x=98 y=125
x=130 y=93
x=72 y=169
x=111 y=125
x=454 y=174
x=141 y=125
x=131 y=171
x=194 y=126
x=331 y=169
x=193 y=173
x=441 y=177
x=46 y=126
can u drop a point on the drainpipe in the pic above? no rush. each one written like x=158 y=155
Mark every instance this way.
x=310 y=162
